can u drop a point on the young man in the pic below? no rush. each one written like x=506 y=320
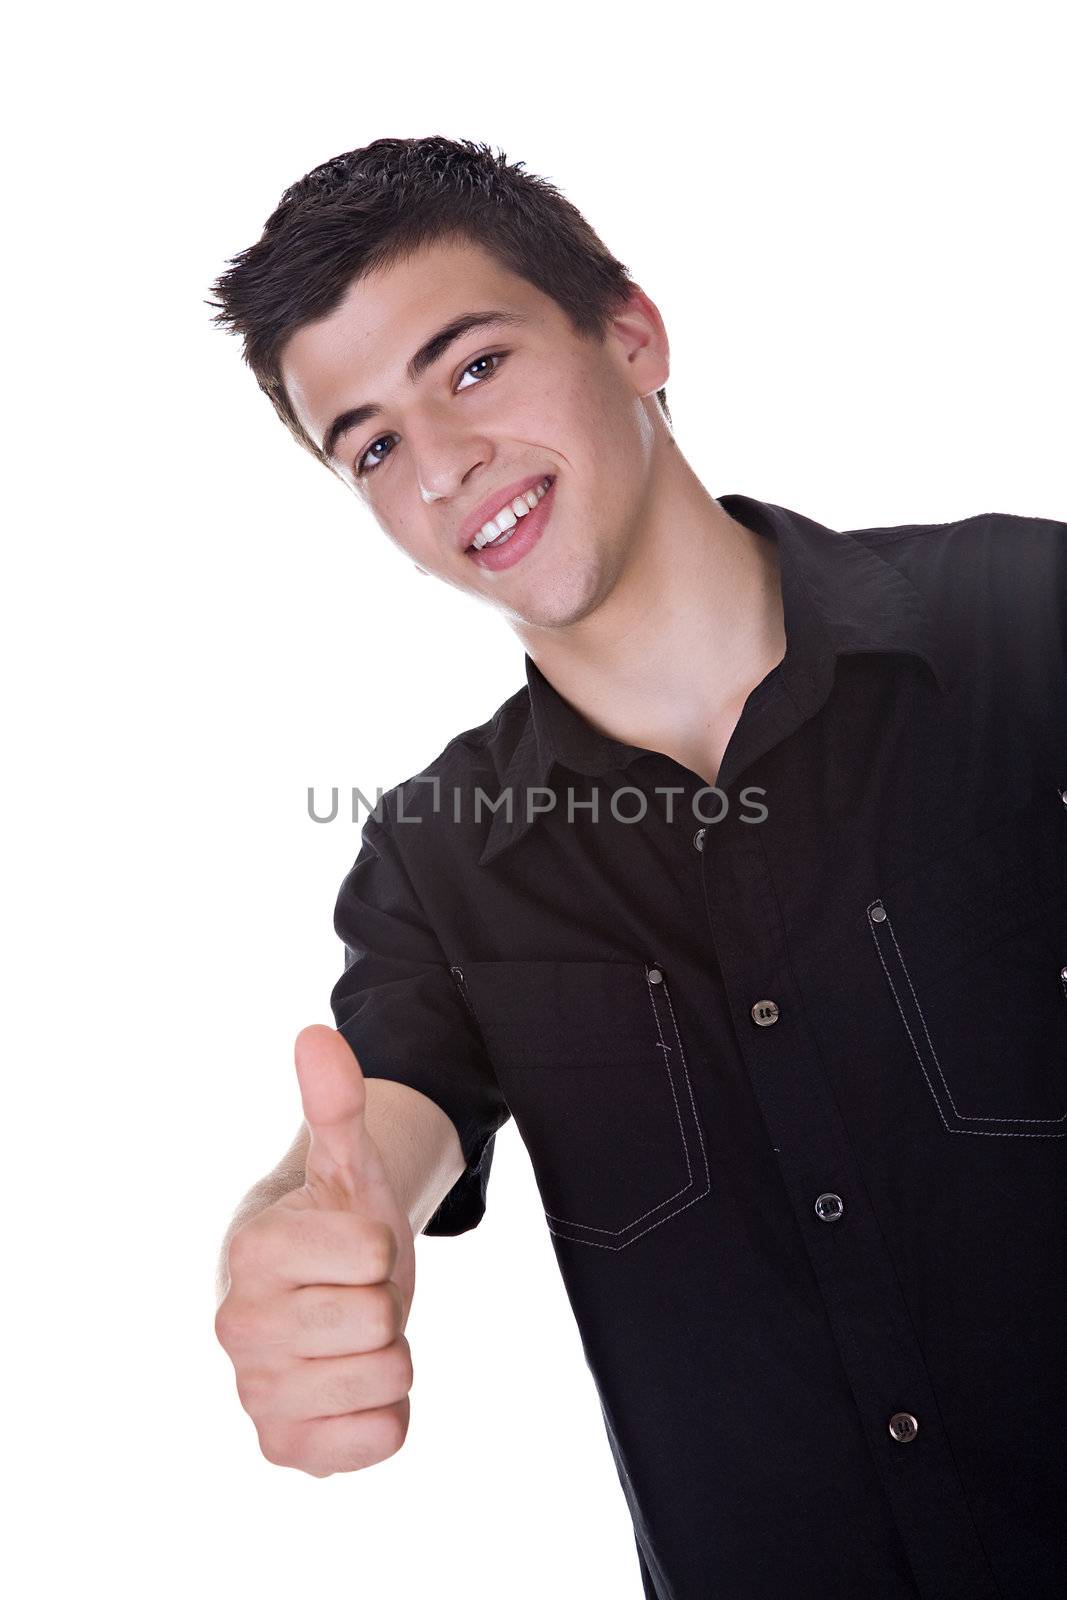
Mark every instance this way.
x=750 y=907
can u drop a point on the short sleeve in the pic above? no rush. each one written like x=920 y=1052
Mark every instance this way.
x=400 y=1009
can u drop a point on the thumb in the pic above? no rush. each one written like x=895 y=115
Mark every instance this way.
x=334 y=1097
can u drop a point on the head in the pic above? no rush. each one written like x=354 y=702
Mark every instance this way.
x=343 y=306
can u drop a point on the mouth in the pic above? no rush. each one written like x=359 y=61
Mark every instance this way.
x=519 y=533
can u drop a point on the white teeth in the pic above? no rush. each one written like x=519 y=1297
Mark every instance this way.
x=499 y=528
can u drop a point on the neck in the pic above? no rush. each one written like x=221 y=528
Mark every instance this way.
x=693 y=622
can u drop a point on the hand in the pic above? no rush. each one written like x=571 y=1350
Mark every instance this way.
x=320 y=1289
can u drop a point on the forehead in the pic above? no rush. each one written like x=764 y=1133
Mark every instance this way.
x=354 y=355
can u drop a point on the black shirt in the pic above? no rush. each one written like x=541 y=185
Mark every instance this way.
x=792 y=1072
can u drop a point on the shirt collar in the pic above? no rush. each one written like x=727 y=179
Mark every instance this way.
x=839 y=598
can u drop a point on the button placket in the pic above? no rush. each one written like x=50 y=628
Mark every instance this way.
x=861 y=1289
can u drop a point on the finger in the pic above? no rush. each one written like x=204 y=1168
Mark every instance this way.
x=318 y=1320
x=345 y=1444
x=333 y=1094
x=295 y=1247
x=335 y=1386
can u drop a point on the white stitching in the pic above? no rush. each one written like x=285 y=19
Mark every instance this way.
x=962 y=1116
x=570 y=1221
x=979 y=1132
x=596 y=1243
x=688 y=1084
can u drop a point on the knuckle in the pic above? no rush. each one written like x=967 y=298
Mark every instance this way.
x=405 y=1370
x=382 y=1249
x=235 y=1325
x=366 y=1440
x=320 y=1456
x=396 y=1311
x=316 y=1314
x=382 y=1322
x=394 y=1428
x=277 y=1448
x=256 y=1387
x=223 y=1324
x=340 y=1395
x=244 y=1250
x=395 y=1373
x=360 y=1383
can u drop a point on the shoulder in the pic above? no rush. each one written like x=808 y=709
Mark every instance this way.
x=993 y=590
x=474 y=756
x=968 y=567
x=1002 y=529
x=986 y=535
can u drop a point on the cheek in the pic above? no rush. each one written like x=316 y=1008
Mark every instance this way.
x=553 y=403
x=583 y=400
x=602 y=413
x=400 y=533
x=391 y=510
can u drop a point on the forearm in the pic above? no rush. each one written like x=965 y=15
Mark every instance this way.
x=418 y=1144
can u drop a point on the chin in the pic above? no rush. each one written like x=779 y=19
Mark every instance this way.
x=562 y=604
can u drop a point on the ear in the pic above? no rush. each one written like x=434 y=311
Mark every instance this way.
x=641 y=342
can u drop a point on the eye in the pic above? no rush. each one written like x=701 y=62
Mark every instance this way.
x=361 y=470
x=496 y=356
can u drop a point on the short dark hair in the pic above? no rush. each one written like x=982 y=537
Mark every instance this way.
x=371 y=208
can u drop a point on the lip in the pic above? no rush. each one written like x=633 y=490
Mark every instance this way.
x=495 y=504
x=494 y=558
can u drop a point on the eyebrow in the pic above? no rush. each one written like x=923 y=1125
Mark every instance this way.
x=424 y=358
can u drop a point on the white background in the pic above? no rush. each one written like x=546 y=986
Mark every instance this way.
x=851 y=218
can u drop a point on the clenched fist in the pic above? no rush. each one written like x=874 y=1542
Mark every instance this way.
x=320 y=1288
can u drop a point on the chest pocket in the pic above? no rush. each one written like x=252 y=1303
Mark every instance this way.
x=974 y=951
x=592 y=1064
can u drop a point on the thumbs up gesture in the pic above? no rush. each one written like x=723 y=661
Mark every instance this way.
x=320 y=1289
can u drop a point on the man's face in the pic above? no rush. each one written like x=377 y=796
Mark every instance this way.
x=503 y=404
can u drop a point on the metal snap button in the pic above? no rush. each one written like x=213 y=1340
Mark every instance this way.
x=829 y=1207
x=903 y=1427
x=878 y=912
x=655 y=975
x=764 y=1012
x=698 y=838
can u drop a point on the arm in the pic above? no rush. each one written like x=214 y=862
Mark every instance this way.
x=418 y=1144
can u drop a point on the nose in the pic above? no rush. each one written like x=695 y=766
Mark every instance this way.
x=429 y=494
